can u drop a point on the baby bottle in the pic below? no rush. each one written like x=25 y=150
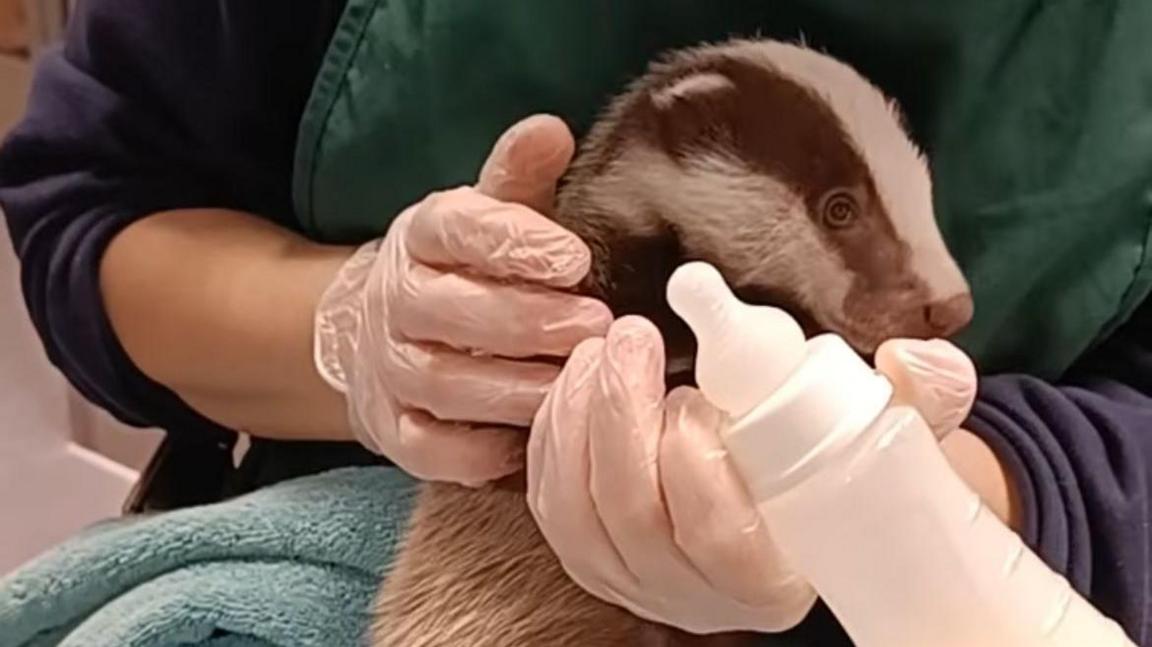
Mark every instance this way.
x=858 y=496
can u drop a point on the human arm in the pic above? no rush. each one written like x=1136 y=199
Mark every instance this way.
x=430 y=366
x=223 y=317
x=203 y=300
x=126 y=120
x=975 y=461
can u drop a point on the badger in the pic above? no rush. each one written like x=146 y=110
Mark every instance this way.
x=795 y=177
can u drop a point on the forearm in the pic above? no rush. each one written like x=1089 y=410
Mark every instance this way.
x=218 y=306
x=976 y=463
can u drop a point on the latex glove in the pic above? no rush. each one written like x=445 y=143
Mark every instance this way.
x=636 y=495
x=429 y=331
x=934 y=376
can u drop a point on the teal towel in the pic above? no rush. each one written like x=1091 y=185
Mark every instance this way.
x=296 y=564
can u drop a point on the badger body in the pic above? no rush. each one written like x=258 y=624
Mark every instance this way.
x=791 y=174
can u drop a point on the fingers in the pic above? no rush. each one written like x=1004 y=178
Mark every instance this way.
x=625 y=424
x=935 y=377
x=431 y=449
x=496 y=319
x=527 y=161
x=463 y=228
x=558 y=474
x=561 y=413
x=454 y=386
x=716 y=524
x=434 y=450
x=497 y=230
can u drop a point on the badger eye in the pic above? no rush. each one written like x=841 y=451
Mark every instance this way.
x=840 y=210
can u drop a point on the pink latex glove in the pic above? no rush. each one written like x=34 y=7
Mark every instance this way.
x=428 y=331
x=635 y=493
x=934 y=376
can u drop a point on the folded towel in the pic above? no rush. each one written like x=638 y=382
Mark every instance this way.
x=297 y=563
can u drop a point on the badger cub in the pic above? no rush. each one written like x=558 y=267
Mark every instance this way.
x=790 y=173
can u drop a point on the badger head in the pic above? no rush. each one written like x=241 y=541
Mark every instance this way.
x=786 y=170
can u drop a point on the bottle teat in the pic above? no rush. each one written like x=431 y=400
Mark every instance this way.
x=744 y=352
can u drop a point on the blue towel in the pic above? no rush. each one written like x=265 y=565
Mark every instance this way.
x=296 y=564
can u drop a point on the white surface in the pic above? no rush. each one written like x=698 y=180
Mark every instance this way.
x=47 y=496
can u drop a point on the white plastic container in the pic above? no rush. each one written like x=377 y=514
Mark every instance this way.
x=859 y=497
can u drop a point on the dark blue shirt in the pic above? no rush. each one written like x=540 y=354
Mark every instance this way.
x=160 y=105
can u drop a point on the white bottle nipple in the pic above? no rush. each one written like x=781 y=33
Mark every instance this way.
x=744 y=352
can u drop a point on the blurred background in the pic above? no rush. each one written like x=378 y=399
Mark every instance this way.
x=63 y=463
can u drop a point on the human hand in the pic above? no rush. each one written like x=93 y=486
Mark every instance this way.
x=636 y=495
x=934 y=376
x=431 y=331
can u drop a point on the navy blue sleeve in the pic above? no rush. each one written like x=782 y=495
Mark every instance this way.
x=149 y=106
x=1080 y=454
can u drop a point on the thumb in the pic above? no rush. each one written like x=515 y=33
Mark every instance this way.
x=934 y=376
x=527 y=161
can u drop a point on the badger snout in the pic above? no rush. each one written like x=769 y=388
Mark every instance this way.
x=940 y=318
x=949 y=316
x=908 y=310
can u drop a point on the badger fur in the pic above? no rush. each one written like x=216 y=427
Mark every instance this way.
x=790 y=173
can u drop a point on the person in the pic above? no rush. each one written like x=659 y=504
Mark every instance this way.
x=148 y=194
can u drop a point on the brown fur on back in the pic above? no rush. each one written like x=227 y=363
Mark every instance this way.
x=475 y=571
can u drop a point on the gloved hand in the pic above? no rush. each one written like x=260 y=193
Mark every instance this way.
x=429 y=332
x=635 y=494
x=934 y=376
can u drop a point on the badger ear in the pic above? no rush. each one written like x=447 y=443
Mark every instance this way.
x=693 y=110
x=695 y=85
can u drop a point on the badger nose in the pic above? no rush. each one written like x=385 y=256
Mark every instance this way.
x=949 y=316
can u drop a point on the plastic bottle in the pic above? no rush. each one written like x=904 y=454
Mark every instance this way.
x=859 y=497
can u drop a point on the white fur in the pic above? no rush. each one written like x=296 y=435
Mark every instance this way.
x=702 y=83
